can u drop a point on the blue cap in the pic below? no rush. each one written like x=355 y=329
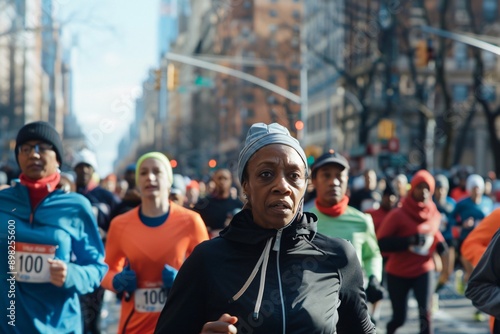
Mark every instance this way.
x=130 y=168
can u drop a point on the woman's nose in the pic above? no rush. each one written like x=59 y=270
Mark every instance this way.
x=281 y=183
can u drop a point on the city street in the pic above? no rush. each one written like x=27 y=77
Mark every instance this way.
x=455 y=316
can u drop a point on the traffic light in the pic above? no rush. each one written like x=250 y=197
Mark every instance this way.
x=312 y=152
x=299 y=125
x=386 y=129
x=421 y=54
x=212 y=163
x=173 y=163
x=172 y=77
x=158 y=79
x=430 y=51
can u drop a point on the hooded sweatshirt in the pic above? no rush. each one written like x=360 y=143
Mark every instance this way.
x=290 y=280
x=405 y=260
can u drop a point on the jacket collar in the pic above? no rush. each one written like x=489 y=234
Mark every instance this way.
x=244 y=230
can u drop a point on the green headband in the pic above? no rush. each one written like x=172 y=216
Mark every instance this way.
x=160 y=157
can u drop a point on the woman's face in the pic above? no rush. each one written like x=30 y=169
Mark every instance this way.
x=153 y=180
x=37 y=159
x=422 y=192
x=275 y=184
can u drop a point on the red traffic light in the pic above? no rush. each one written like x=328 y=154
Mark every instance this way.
x=173 y=163
x=299 y=125
x=212 y=163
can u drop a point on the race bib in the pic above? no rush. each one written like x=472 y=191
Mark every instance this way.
x=31 y=262
x=425 y=248
x=150 y=299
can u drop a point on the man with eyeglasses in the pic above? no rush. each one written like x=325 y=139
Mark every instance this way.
x=51 y=249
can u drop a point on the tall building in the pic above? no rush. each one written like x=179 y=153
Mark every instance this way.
x=168 y=28
x=266 y=37
x=325 y=38
x=30 y=69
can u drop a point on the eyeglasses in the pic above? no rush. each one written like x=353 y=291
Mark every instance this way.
x=40 y=148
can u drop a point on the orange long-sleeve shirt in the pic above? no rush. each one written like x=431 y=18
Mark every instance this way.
x=477 y=241
x=148 y=249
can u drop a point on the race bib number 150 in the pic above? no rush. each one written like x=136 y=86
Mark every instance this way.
x=31 y=262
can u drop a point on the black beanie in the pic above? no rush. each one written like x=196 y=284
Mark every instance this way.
x=40 y=131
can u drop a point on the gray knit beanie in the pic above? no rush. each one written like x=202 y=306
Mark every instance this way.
x=260 y=135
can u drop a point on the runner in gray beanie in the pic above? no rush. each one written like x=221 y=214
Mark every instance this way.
x=260 y=135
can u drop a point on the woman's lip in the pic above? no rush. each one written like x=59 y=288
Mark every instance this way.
x=281 y=210
x=281 y=205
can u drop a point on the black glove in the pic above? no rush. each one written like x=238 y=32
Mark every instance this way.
x=417 y=240
x=374 y=291
x=442 y=247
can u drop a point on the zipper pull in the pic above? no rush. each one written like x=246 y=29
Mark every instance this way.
x=277 y=242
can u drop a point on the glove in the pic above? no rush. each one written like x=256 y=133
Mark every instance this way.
x=168 y=275
x=441 y=248
x=374 y=291
x=417 y=240
x=126 y=281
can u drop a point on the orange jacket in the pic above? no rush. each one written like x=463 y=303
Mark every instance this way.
x=477 y=241
x=148 y=249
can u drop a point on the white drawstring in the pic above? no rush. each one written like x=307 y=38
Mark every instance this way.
x=262 y=262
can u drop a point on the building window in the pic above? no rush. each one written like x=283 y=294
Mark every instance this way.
x=296 y=14
x=273 y=13
x=487 y=92
x=460 y=93
x=490 y=8
x=460 y=54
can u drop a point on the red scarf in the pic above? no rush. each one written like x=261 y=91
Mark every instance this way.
x=40 y=188
x=335 y=210
x=419 y=211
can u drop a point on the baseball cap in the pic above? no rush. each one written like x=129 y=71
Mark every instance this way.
x=330 y=157
x=85 y=156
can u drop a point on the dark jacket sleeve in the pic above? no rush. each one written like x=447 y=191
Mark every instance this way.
x=483 y=287
x=394 y=244
x=353 y=311
x=184 y=311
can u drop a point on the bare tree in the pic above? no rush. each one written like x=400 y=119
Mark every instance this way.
x=481 y=91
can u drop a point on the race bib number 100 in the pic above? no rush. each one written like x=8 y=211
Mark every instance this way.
x=150 y=300
x=31 y=262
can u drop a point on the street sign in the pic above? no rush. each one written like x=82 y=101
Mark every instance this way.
x=202 y=81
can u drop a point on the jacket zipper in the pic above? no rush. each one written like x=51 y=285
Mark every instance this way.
x=276 y=248
x=32 y=214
